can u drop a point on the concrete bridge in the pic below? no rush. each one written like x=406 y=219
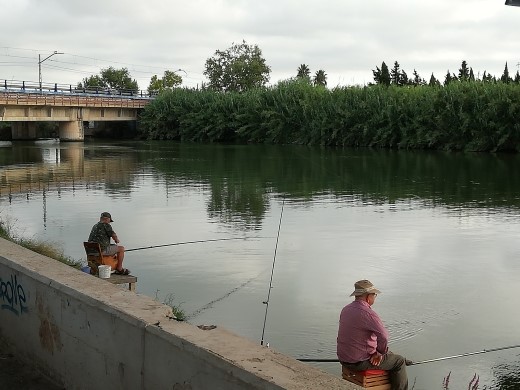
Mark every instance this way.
x=24 y=104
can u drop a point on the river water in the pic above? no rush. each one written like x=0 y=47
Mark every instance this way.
x=437 y=232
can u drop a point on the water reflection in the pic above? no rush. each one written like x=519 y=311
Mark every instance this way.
x=437 y=232
x=240 y=178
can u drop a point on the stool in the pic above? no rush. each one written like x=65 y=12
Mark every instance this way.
x=96 y=258
x=368 y=379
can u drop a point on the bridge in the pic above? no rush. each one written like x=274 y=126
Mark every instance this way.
x=24 y=104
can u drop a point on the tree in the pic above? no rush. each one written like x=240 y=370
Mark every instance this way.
x=449 y=78
x=382 y=76
x=403 y=78
x=303 y=72
x=395 y=74
x=433 y=81
x=320 y=78
x=238 y=68
x=486 y=77
x=471 y=75
x=505 y=78
x=464 y=72
x=111 y=78
x=418 y=80
x=92 y=81
x=169 y=81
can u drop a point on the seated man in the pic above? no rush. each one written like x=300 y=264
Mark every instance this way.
x=102 y=233
x=363 y=339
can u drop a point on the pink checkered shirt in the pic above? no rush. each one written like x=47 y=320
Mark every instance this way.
x=360 y=333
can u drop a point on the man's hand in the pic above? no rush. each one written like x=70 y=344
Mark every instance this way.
x=376 y=359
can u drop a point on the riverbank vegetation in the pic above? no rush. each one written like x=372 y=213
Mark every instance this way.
x=44 y=248
x=473 y=115
x=464 y=112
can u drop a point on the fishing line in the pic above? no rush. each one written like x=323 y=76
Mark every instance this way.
x=192 y=242
x=423 y=361
x=210 y=304
x=266 y=302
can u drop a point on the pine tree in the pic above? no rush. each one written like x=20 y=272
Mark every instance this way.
x=448 y=79
x=382 y=76
x=505 y=76
x=433 y=81
x=395 y=74
x=471 y=75
x=417 y=80
x=517 y=78
x=464 y=72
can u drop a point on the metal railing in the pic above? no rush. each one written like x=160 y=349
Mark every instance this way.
x=20 y=86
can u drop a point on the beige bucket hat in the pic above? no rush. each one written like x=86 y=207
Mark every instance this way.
x=363 y=287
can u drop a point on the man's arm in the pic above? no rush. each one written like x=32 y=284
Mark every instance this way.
x=381 y=333
x=114 y=237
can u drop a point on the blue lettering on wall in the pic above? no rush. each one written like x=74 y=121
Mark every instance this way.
x=12 y=296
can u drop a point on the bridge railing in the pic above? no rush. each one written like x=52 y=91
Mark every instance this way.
x=21 y=86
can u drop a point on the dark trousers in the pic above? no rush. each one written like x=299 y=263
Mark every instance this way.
x=394 y=364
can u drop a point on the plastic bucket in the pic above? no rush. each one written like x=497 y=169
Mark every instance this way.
x=104 y=271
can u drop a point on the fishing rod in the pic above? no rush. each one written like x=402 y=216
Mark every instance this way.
x=266 y=302
x=188 y=242
x=410 y=363
x=466 y=354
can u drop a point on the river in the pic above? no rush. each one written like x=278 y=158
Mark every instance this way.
x=437 y=232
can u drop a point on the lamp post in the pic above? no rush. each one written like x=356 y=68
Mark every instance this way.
x=40 y=65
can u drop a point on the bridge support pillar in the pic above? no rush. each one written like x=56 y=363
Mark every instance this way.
x=23 y=130
x=72 y=131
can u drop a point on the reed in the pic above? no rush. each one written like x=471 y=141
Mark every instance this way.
x=475 y=116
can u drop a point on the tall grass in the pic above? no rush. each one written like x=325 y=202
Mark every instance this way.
x=477 y=116
x=44 y=248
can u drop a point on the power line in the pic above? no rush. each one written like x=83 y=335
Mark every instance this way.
x=90 y=65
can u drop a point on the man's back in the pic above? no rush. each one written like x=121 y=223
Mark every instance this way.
x=360 y=333
x=101 y=233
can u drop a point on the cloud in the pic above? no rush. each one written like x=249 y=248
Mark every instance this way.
x=346 y=38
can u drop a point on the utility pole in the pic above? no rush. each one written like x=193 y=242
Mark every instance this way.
x=40 y=65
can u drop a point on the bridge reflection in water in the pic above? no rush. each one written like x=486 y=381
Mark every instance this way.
x=62 y=167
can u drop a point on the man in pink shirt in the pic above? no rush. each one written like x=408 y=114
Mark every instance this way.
x=363 y=339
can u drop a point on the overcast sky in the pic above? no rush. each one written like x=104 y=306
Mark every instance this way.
x=345 y=38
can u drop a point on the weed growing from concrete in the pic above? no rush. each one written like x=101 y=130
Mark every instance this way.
x=169 y=300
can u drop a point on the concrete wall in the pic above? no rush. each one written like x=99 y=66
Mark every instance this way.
x=89 y=334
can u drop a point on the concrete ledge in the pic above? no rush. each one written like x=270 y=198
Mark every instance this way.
x=89 y=334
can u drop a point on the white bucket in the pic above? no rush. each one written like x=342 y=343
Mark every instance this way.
x=104 y=271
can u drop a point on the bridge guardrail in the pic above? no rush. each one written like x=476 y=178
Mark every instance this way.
x=20 y=86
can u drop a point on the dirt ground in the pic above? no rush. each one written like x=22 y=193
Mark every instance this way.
x=15 y=375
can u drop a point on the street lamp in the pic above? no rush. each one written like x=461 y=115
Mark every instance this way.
x=40 y=65
x=516 y=3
